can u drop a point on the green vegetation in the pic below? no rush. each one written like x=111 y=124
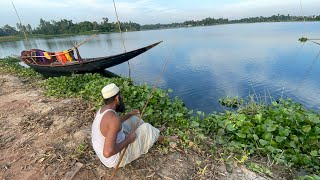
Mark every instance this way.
x=10 y=65
x=88 y=86
x=65 y=26
x=283 y=131
x=231 y=102
x=303 y=39
x=68 y=27
x=10 y=38
x=212 y=21
x=259 y=168
x=8 y=31
x=308 y=177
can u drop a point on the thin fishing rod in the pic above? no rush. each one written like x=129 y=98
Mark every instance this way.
x=124 y=46
x=304 y=39
x=313 y=39
x=308 y=71
x=304 y=20
x=25 y=35
x=143 y=110
x=314 y=42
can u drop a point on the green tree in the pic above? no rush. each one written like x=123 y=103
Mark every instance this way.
x=2 y=32
x=95 y=25
x=105 y=26
x=85 y=26
x=19 y=27
x=29 y=28
x=9 y=30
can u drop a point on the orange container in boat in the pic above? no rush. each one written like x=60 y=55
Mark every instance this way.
x=61 y=57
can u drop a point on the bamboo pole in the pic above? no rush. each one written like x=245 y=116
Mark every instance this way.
x=123 y=44
x=301 y=9
x=136 y=125
x=25 y=35
x=85 y=41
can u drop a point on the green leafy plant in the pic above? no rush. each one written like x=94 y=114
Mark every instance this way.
x=231 y=102
x=284 y=130
x=11 y=65
x=259 y=168
x=161 y=109
x=308 y=177
x=303 y=39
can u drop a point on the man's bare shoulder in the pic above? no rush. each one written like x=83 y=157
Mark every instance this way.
x=110 y=122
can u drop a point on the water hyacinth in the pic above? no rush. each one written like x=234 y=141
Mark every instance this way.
x=161 y=109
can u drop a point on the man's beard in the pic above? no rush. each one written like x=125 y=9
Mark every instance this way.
x=121 y=107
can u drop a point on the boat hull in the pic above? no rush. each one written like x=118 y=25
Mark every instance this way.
x=91 y=64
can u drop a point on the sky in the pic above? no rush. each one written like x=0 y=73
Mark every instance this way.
x=149 y=11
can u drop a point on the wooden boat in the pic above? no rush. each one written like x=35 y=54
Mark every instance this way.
x=78 y=65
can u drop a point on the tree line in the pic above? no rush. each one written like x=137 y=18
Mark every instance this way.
x=65 y=26
x=212 y=21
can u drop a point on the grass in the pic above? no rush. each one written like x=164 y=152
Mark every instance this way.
x=21 y=37
x=10 y=38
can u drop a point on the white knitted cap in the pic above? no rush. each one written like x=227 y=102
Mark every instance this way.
x=109 y=90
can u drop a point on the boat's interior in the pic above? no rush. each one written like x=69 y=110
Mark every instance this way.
x=37 y=56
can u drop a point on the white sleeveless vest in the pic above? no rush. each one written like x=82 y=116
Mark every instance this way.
x=98 y=140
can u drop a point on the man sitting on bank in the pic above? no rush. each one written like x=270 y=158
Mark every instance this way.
x=111 y=133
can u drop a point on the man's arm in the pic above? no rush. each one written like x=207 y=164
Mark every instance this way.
x=110 y=126
x=135 y=112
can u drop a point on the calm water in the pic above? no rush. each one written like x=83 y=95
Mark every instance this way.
x=207 y=63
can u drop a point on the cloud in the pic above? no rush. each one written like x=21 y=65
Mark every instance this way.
x=248 y=8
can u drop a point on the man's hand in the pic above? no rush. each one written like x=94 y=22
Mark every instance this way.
x=131 y=137
x=135 y=112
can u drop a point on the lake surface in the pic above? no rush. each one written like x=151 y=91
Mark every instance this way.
x=207 y=63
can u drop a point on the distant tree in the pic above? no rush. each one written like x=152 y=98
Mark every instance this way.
x=9 y=30
x=46 y=27
x=23 y=28
x=19 y=27
x=95 y=25
x=2 y=32
x=105 y=20
x=42 y=24
x=105 y=26
x=85 y=26
x=29 y=28
x=65 y=26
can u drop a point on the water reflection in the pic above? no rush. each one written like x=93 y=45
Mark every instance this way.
x=241 y=71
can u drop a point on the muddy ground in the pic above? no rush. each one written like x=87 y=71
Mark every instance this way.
x=44 y=138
